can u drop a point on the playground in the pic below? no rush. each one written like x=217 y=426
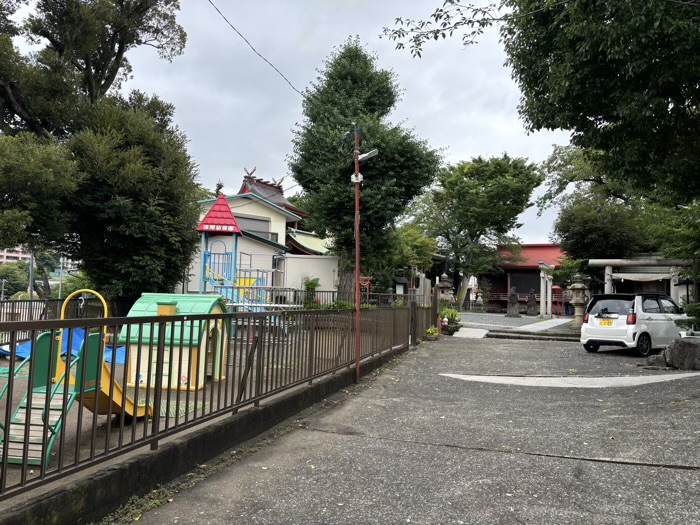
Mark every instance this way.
x=175 y=361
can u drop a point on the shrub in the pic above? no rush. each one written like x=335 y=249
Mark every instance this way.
x=693 y=321
x=432 y=331
x=451 y=314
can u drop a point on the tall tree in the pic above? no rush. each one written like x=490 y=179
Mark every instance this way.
x=474 y=209
x=84 y=55
x=621 y=76
x=135 y=216
x=38 y=178
x=591 y=226
x=351 y=89
x=116 y=187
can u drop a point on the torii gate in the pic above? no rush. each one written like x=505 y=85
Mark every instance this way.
x=545 y=290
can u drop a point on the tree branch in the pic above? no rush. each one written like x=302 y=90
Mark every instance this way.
x=17 y=109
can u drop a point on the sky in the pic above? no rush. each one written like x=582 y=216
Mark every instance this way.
x=239 y=113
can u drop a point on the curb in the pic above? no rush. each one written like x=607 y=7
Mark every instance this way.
x=532 y=336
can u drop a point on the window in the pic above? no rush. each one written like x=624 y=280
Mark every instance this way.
x=253 y=225
x=258 y=226
x=651 y=305
x=622 y=305
x=668 y=306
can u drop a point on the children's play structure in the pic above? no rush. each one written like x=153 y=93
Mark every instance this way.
x=192 y=349
x=64 y=383
x=240 y=288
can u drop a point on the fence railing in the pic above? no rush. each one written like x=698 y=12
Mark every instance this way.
x=48 y=309
x=93 y=389
x=280 y=298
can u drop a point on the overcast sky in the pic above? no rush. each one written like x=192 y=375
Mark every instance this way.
x=237 y=112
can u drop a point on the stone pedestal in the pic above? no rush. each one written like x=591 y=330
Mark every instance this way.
x=578 y=298
x=513 y=306
x=531 y=303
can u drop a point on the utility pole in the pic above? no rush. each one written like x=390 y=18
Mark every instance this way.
x=31 y=275
x=60 y=281
x=357 y=179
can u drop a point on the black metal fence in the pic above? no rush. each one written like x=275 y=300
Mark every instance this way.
x=96 y=388
x=272 y=297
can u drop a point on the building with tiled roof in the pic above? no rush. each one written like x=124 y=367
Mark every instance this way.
x=270 y=191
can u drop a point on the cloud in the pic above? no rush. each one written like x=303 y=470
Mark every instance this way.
x=237 y=112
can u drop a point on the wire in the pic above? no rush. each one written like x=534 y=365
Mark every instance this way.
x=254 y=50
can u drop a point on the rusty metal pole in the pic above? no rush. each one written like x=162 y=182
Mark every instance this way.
x=357 y=181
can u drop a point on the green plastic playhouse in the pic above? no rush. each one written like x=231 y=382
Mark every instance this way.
x=192 y=349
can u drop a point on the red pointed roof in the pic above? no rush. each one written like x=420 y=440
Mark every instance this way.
x=219 y=219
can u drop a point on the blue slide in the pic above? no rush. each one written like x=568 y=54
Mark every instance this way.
x=24 y=350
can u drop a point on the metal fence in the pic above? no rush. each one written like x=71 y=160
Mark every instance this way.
x=48 y=309
x=97 y=388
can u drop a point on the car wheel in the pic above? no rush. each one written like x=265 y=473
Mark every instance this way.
x=644 y=345
x=591 y=347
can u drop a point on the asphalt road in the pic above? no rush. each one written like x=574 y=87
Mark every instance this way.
x=412 y=446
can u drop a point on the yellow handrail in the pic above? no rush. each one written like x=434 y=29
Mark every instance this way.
x=60 y=365
x=219 y=276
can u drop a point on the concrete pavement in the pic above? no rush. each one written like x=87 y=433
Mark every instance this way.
x=410 y=445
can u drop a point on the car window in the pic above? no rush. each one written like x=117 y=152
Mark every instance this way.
x=668 y=306
x=608 y=305
x=651 y=305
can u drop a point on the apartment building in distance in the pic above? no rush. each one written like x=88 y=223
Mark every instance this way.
x=14 y=255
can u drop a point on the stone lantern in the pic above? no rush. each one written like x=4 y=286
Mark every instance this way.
x=578 y=298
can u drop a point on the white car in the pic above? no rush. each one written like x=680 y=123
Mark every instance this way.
x=641 y=321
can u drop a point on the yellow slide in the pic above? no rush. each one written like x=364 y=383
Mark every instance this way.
x=99 y=401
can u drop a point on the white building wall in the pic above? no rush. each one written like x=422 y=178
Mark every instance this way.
x=301 y=267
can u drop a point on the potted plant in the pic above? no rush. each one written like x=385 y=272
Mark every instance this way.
x=432 y=333
x=450 y=320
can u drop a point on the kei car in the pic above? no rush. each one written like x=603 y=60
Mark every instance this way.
x=641 y=321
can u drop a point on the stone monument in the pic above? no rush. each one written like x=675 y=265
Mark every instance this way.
x=531 y=303
x=578 y=298
x=513 y=306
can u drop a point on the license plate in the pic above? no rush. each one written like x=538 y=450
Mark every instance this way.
x=606 y=322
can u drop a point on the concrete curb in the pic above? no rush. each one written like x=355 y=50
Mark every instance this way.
x=532 y=336
x=91 y=498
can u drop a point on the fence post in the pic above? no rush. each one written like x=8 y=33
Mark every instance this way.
x=312 y=349
x=158 y=392
x=436 y=307
x=414 y=324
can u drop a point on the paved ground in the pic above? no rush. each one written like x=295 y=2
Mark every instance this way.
x=414 y=446
x=501 y=323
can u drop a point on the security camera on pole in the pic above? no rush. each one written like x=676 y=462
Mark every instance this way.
x=357 y=180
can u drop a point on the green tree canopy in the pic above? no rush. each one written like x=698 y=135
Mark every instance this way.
x=475 y=207
x=38 y=179
x=594 y=227
x=135 y=214
x=351 y=89
x=621 y=76
x=16 y=277
x=105 y=178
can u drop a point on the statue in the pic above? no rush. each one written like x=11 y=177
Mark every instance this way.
x=513 y=305
x=531 y=303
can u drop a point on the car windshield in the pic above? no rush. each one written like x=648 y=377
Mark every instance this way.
x=612 y=305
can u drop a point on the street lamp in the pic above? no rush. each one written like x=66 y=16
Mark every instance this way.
x=357 y=180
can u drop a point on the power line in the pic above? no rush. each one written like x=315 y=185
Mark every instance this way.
x=254 y=50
